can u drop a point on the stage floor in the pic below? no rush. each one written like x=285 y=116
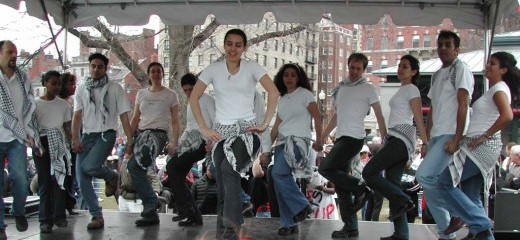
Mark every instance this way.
x=120 y=225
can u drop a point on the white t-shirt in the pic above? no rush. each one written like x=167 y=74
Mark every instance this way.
x=295 y=116
x=485 y=111
x=53 y=113
x=444 y=99
x=352 y=105
x=234 y=94
x=207 y=107
x=155 y=108
x=92 y=120
x=401 y=112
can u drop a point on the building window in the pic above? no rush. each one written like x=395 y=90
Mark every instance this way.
x=166 y=61
x=265 y=61
x=415 y=41
x=369 y=67
x=276 y=45
x=400 y=42
x=275 y=62
x=329 y=65
x=283 y=61
x=191 y=61
x=283 y=47
x=426 y=41
x=297 y=50
x=384 y=43
x=265 y=45
x=341 y=39
x=256 y=57
x=384 y=63
x=329 y=77
x=290 y=48
x=370 y=43
x=200 y=60
x=166 y=44
x=341 y=66
x=323 y=79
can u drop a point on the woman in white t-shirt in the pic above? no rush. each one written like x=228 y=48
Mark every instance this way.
x=472 y=166
x=53 y=115
x=155 y=112
x=292 y=131
x=235 y=133
x=399 y=146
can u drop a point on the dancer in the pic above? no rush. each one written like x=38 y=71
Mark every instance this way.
x=192 y=148
x=450 y=95
x=399 y=146
x=472 y=167
x=235 y=135
x=353 y=99
x=155 y=108
x=53 y=115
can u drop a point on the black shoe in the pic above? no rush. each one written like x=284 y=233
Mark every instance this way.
x=190 y=223
x=481 y=235
x=3 y=236
x=148 y=221
x=455 y=225
x=361 y=196
x=21 y=223
x=344 y=233
x=71 y=211
x=407 y=206
x=393 y=238
x=45 y=228
x=284 y=231
x=247 y=206
x=187 y=213
x=303 y=214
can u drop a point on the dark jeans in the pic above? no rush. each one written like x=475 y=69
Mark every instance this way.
x=273 y=202
x=392 y=158
x=52 y=197
x=229 y=209
x=70 y=188
x=373 y=207
x=177 y=169
x=335 y=167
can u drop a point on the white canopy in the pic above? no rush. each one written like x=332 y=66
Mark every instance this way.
x=463 y=13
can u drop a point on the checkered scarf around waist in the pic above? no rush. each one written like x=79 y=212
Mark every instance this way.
x=303 y=167
x=407 y=133
x=232 y=132
x=485 y=156
x=154 y=140
x=9 y=117
x=59 y=154
x=190 y=141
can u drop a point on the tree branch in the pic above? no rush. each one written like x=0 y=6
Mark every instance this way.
x=202 y=36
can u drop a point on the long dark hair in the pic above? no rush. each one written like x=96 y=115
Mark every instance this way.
x=303 y=80
x=150 y=68
x=507 y=60
x=66 y=78
x=414 y=64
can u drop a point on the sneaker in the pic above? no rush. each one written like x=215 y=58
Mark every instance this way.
x=96 y=223
x=392 y=238
x=3 y=236
x=361 y=196
x=45 y=228
x=148 y=220
x=345 y=233
x=111 y=185
x=481 y=235
x=284 y=231
x=303 y=214
x=21 y=223
x=455 y=225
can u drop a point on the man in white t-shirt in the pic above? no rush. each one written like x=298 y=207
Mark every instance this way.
x=18 y=130
x=450 y=95
x=97 y=104
x=353 y=98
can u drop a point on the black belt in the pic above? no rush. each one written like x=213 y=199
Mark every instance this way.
x=154 y=130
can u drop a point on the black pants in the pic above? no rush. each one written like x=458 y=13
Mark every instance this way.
x=177 y=168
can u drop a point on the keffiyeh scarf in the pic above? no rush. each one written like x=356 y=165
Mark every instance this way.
x=91 y=84
x=59 y=154
x=301 y=167
x=28 y=126
x=485 y=156
x=190 y=141
x=148 y=145
x=407 y=133
x=232 y=132
x=348 y=83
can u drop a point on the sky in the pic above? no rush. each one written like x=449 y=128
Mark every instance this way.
x=30 y=33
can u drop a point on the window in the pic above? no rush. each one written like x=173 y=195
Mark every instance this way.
x=200 y=60
x=275 y=62
x=384 y=63
x=329 y=65
x=370 y=43
x=256 y=57
x=426 y=41
x=369 y=67
x=166 y=62
x=265 y=61
x=341 y=66
x=384 y=43
x=283 y=61
x=265 y=45
x=190 y=62
x=415 y=41
x=276 y=45
x=212 y=58
x=400 y=42
x=297 y=50
x=323 y=64
x=166 y=44
x=323 y=79
x=283 y=47
x=329 y=77
x=329 y=91
x=290 y=48
x=341 y=39
x=341 y=52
